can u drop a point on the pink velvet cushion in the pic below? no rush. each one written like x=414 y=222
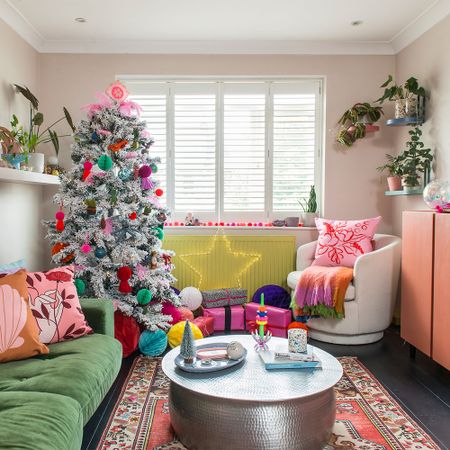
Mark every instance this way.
x=55 y=305
x=340 y=242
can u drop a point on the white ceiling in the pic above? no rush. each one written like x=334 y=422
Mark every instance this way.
x=230 y=26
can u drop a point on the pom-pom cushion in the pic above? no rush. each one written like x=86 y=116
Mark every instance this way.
x=55 y=305
x=175 y=334
x=19 y=334
x=152 y=343
x=127 y=332
x=274 y=295
x=341 y=242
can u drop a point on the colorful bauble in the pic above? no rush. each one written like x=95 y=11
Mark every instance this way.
x=118 y=145
x=100 y=252
x=127 y=332
x=124 y=174
x=80 y=286
x=105 y=162
x=144 y=297
x=191 y=297
x=87 y=169
x=175 y=334
x=124 y=274
x=59 y=216
x=168 y=309
x=159 y=192
x=132 y=216
x=437 y=195
x=154 y=168
x=86 y=248
x=160 y=233
x=186 y=314
x=144 y=173
x=95 y=137
x=153 y=343
x=235 y=350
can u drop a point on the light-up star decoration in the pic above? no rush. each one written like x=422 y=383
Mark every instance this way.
x=219 y=266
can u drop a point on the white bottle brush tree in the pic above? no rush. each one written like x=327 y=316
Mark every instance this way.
x=188 y=348
x=110 y=223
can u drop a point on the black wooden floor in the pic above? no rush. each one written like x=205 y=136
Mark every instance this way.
x=420 y=386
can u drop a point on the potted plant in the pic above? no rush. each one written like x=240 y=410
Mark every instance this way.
x=405 y=96
x=10 y=149
x=357 y=121
x=30 y=139
x=415 y=160
x=309 y=208
x=394 y=168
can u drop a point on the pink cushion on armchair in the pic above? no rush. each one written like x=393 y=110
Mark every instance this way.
x=341 y=242
x=55 y=305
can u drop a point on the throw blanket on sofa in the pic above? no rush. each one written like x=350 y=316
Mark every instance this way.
x=321 y=291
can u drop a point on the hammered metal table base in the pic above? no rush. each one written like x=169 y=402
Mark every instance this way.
x=203 y=422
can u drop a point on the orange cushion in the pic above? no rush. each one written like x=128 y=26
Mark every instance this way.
x=19 y=334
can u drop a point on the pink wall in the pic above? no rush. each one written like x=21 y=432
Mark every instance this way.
x=428 y=59
x=352 y=187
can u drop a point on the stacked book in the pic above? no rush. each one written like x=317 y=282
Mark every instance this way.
x=279 y=359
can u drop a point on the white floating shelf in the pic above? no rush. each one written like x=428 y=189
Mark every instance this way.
x=23 y=176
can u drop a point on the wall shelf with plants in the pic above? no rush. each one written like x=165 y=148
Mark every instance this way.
x=402 y=192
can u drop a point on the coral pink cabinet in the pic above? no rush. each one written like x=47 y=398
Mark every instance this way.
x=425 y=308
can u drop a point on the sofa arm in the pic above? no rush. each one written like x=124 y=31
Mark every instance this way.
x=99 y=315
x=306 y=254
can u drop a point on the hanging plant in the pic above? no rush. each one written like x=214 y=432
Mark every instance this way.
x=356 y=122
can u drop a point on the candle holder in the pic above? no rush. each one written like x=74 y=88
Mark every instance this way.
x=261 y=341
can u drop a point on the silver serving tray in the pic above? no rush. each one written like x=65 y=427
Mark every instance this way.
x=216 y=365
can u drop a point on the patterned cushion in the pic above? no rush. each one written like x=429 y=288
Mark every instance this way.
x=55 y=305
x=19 y=335
x=341 y=242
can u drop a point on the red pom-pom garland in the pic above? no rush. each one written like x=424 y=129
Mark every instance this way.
x=124 y=274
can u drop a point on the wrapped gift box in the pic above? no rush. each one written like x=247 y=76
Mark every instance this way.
x=227 y=318
x=278 y=319
x=224 y=297
x=206 y=325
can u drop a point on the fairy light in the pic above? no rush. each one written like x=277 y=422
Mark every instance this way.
x=252 y=258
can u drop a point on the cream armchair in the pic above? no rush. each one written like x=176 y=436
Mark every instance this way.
x=370 y=298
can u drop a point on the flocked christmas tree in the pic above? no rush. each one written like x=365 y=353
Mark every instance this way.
x=110 y=223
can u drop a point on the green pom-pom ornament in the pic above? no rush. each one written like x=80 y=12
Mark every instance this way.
x=154 y=168
x=80 y=286
x=160 y=232
x=144 y=297
x=104 y=162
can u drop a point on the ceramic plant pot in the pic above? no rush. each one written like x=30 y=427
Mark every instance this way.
x=394 y=183
x=36 y=161
x=309 y=219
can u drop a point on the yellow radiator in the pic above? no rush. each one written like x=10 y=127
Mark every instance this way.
x=221 y=261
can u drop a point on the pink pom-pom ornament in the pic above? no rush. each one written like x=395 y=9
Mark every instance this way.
x=85 y=248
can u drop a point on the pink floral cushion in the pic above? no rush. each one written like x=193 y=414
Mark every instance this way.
x=55 y=305
x=340 y=242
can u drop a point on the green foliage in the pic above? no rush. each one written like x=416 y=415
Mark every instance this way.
x=30 y=139
x=393 y=166
x=309 y=205
x=415 y=159
x=353 y=122
x=393 y=91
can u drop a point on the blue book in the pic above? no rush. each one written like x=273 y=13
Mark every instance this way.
x=272 y=363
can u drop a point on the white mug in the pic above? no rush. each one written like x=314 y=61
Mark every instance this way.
x=297 y=340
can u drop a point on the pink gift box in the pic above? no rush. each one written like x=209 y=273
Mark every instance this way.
x=236 y=312
x=206 y=325
x=278 y=319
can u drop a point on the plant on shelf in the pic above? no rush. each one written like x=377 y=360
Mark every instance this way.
x=395 y=171
x=309 y=208
x=415 y=160
x=404 y=95
x=356 y=121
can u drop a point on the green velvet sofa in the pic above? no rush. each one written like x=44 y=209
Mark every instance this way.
x=45 y=401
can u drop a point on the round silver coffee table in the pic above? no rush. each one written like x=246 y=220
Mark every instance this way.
x=250 y=408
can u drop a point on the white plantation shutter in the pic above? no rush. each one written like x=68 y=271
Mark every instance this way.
x=294 y=143
x=244 y=147
x=195 y=148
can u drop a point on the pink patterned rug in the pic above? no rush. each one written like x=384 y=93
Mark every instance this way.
x=367 y=417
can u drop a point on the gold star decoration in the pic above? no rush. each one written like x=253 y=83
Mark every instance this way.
x=219 y=266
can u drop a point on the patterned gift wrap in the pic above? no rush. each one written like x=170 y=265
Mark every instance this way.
x=224 y=297
x=227 y=318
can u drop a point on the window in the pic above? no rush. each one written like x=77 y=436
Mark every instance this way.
x=234 y=150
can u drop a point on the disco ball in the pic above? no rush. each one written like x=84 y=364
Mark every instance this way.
x=437 y=195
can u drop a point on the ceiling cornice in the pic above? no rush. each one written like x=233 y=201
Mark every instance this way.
x=430 y=17
x=436 y=12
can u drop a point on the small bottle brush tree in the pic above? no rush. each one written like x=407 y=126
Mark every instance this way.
x=113 y=222
x=188 y=349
